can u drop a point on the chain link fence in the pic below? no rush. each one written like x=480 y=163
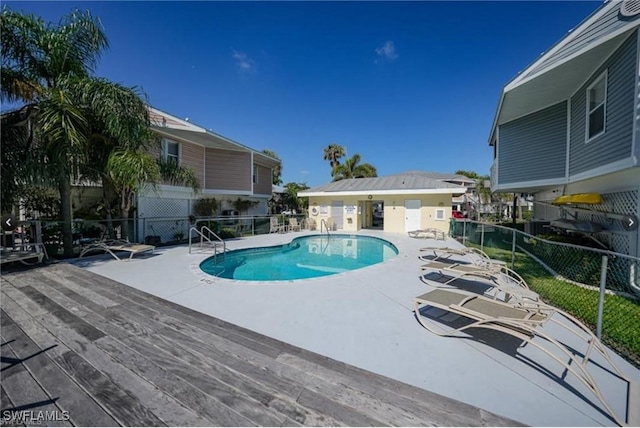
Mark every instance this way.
x=599 y=287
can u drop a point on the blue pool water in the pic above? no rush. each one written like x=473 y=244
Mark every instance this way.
x=304 y=257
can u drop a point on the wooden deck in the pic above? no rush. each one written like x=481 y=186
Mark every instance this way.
x=95 y=352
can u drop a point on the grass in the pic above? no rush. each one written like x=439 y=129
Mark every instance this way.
x=621 y=316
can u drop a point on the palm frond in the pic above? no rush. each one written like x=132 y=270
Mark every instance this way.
x=171 y=171
x=130 y=169
x=352 y=168
x=63 y=127
x=84 y=36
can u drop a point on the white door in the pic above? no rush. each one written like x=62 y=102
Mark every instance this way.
x=337 y=213
x=411 y=214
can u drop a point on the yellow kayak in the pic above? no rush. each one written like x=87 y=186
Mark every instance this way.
x=579 y=199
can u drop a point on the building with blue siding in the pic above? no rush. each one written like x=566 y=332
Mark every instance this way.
x=570 y=123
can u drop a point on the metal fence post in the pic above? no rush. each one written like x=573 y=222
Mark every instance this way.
x=513 y=251
x=481 y=236
x=38 y=232
x=603 y=287
x=464 y=231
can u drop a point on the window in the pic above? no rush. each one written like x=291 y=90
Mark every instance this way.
x=596 y=106
x=440 y=214
x=171 y=151
x=255 y=174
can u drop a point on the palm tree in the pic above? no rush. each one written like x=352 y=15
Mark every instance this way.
x=352 y=168
x=277 y=170
x=41 y=64
x=128 y=170
x=80 y=119
x=333 y=153
x=483 y=192
x=291 y=199
x=17 y=138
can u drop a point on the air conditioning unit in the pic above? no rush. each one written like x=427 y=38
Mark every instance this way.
x=536 y=227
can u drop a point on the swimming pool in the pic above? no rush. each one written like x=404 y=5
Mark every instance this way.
x=304 y=257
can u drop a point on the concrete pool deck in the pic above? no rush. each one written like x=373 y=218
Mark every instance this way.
x=365 y=318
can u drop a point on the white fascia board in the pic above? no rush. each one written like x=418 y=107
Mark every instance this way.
x=568 y=38
x=494 y=125
x=387 y=192
x=166 y=191
x=226 y=192
x=531 y=184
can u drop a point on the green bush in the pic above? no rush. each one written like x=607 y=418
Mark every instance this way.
x=205 y=207
x=226 y=233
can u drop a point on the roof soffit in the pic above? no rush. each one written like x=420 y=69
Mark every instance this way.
x=556 y=84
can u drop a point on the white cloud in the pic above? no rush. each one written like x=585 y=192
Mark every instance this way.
x=244 y=63
x=386 y=52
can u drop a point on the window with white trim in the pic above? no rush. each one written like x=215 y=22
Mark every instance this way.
x=440 y=214
x=171 y=150
x=255 y=174
x=596 y=107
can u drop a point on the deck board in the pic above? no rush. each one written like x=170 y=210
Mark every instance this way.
x=110 y=354
x=168 y=409
x=82 y=408
x=19 y=386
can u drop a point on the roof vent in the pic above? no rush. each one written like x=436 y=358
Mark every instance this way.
x=630 y=8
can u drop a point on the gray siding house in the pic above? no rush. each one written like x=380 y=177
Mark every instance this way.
x=570 y=122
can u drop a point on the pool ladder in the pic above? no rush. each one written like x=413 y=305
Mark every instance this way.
x=326 y=226
x=208 y=239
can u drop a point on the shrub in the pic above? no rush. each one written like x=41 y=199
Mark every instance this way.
x=205 y=207
x=226 y=233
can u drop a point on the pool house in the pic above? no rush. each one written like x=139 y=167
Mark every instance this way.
x=395 y=203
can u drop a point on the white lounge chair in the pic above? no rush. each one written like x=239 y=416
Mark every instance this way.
x=524 y=320
x=505 y=282
x=447 y=252
x=113 y=246
x=431 y=233
x=27 y=257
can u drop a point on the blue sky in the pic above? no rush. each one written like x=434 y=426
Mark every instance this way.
x=407 y=85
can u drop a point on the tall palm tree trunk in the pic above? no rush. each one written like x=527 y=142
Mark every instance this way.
x=124 y=225
x=126 y=199
x=106 y=200
x=64 y=187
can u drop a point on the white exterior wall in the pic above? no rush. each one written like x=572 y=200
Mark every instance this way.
x=154 y=208
x=394 y=210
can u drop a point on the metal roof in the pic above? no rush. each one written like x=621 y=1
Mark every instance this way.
x=392 y=183
x=438 y=175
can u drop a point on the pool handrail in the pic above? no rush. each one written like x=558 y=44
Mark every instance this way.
x=203 y=238
x=324 y=221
